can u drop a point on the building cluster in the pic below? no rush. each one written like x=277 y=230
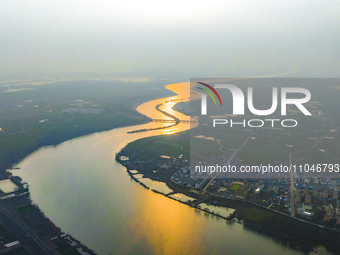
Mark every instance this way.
x=314 y=198
x=182 y=177
x=318 y=195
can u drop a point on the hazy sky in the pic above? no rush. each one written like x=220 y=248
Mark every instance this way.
x=167 y=39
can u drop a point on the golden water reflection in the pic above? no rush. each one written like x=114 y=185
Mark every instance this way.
x=171 y=229
x=149 y=109
x=85 y=192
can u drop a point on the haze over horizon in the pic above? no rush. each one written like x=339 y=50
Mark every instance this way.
x=168 y=40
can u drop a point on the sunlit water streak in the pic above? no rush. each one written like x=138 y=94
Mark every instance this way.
x=85 y=192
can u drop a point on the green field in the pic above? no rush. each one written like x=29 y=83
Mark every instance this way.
x=5 y=236
x=235 y=187
x=315 y=140
x=170 y=145
x=155 y=147
x=66 y=249
x=27 y=209
x=53 y=113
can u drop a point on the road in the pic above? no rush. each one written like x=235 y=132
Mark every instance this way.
x=27 y=237
x=229 y=160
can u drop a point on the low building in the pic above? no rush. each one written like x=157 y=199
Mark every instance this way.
x=335 y=195
x=325 y=194
x=308 y=198
x=329 y=212
x=337 y=213
x=259 y=188
x=298 y=197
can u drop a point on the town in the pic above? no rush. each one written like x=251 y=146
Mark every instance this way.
x=315 y=200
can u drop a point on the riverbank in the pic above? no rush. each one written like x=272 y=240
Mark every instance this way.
x=290 y=231
x=176 y=120
x=52 y=132
x=30 y=229
x=70 y=174
x=54 y=140
x=63 y=111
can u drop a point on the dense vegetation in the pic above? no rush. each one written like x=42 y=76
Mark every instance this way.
x=34 y=116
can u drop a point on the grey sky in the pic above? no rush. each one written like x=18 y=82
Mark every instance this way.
x=82 y=39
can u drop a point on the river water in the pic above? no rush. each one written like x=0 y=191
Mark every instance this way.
x=85 y=192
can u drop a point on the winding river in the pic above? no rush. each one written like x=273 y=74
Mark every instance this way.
x=85 y=192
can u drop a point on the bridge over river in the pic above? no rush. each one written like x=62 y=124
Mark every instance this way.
x=174 y=121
